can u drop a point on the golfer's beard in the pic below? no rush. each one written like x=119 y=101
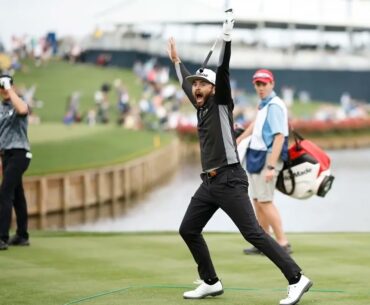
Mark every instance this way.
x=205 y=100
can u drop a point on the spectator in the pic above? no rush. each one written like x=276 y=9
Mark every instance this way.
x=102 y=104
x=72 y=112
x=123 y=101
x=103 y=59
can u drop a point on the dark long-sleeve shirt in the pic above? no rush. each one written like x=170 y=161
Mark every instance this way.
x=215 y=117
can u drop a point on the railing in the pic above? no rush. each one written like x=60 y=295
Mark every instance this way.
x=243 y=56
x=62 y=193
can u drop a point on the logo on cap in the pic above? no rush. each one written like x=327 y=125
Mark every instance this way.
x=263 y=75
x=203 y=74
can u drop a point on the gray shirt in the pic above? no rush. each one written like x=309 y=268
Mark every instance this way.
x=215 y=117
x=13 y=128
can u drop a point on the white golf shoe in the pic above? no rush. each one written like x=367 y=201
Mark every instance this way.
x=204 y=290
x=296 y=291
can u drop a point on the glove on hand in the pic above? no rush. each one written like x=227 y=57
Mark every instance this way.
x=5 y=82
x=228 y=24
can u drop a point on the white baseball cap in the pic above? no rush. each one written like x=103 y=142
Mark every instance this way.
x=203 y=74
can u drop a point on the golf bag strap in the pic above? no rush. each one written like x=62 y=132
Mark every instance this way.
x=288 y=164
x=297 y=138
x=288 y=167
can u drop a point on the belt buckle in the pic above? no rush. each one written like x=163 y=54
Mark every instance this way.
x=212 y=173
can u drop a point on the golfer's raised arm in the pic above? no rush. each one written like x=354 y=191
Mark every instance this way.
x=223 y=89
x=181 y=70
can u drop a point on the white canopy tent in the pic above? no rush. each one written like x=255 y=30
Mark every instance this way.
x=326 y=14
x=279 y=28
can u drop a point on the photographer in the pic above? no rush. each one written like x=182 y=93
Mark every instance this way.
x=15 y=157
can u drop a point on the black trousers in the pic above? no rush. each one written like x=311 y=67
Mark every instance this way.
x=228 y=190
x=14 y=164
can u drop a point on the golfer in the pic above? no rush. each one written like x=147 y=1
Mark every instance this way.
x=225 y=182
x=15 y=158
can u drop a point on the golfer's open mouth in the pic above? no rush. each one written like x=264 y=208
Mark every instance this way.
x=198 y=96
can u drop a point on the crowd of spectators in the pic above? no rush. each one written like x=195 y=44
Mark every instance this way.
x=160 y=105
x=39 y=50
x=157 y=108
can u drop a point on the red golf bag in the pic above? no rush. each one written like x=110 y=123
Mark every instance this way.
x=307 y=171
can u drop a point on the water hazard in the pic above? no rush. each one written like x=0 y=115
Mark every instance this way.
x=346 y=208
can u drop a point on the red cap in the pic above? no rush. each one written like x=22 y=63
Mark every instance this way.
x=263 y=75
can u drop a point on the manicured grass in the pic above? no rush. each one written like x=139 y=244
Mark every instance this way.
x=305 y=110
x=58 y=148
x=57 y=132
x=58 y=79
x=155 y=269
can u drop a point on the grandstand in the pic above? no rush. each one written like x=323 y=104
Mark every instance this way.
x=307 y=44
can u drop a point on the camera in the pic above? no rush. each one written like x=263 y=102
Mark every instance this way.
x=7 y=76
